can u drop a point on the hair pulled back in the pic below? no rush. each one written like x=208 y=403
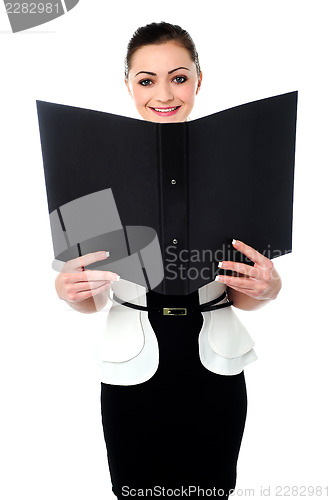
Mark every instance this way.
x=157 y=33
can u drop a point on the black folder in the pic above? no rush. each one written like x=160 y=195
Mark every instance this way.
x=166 y=199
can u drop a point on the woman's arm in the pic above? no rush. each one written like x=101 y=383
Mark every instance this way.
x=85 y=291
x=90 y=305
x=243 y=301
x=256 y=285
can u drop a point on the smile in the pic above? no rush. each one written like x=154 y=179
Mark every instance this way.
x=166 y=111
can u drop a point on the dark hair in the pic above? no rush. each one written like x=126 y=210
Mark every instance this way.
x=157 y=33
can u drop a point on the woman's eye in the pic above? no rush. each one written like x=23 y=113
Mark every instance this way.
x=180 y=79
x=145 y=82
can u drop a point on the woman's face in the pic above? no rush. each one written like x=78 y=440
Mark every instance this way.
x=163 y=82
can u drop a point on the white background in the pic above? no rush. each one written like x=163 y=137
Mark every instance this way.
x=51 y=436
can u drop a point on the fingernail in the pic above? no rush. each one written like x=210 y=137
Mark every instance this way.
x=220 y=264
x=107 y=254
x=118 y=278
x=234 y=242
x=216 y=278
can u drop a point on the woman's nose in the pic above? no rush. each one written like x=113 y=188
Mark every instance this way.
x=164 y=93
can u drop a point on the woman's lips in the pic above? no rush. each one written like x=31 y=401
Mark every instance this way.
x=171 y=110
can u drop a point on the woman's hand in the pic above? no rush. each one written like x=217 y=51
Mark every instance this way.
x=80 y=288
x=260 y=282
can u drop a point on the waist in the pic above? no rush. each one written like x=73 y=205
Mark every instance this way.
x=177 y=305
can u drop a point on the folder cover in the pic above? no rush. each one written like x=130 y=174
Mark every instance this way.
x=166 y=199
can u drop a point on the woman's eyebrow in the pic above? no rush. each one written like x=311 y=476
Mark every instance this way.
x=181 y=67
x=154 y=74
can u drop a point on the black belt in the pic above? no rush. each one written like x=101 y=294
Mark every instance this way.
x=180 y=311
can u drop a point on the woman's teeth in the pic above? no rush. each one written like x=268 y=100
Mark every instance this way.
x=165 y=110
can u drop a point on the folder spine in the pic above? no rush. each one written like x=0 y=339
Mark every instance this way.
x=174 y=204
x=187 y=200
x=160 y=229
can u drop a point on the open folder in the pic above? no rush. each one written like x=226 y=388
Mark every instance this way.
x=166 y=199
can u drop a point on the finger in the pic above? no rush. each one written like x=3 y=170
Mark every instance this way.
x=251 y=293
x=250 y=252
x=242 y=269
x=89 y=258
x=83 y=286
x=247 y=283
x=92 y=293
x=90 y=276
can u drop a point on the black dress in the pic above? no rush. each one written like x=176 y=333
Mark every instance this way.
x=184 y=426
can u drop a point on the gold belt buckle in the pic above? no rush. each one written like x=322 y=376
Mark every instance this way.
x=174 y=311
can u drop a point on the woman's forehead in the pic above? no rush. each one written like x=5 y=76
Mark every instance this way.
x=161 y=58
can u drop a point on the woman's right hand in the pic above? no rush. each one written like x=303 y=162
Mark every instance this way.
x=74 y=284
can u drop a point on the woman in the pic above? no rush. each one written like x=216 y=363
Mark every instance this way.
x=173 y=406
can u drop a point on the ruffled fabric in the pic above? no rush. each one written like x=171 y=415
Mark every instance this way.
x=129 y=351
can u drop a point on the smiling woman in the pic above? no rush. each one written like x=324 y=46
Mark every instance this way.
x=173 y=393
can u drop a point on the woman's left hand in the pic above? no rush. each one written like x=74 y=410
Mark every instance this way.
x=261 y=281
